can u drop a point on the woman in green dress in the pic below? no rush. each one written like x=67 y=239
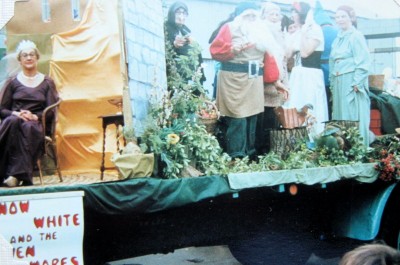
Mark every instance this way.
x=349 y=65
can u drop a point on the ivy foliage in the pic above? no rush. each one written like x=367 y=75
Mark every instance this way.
x=174 y=133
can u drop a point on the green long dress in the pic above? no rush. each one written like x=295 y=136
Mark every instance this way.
x=349 y=66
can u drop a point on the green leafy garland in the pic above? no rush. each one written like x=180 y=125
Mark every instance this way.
x=388 y=160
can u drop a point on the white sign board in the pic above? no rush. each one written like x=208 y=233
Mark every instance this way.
x=44 y=229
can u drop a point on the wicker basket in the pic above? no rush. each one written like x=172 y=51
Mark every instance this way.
x=210 y=123
x=289 y=118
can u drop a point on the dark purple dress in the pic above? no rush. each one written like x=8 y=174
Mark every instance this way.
x=21 y=142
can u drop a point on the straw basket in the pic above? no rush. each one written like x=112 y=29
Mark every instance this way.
x=209 y=123
x=289 y=118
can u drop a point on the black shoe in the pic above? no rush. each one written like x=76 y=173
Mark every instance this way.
x=27 y=183
x=254 y=158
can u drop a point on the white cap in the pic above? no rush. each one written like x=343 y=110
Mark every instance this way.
x=25 y=44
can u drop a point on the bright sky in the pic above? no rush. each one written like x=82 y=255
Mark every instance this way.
x=364 y=8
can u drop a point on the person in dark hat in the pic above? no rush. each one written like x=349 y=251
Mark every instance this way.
x=179 y=36
x=177 y=32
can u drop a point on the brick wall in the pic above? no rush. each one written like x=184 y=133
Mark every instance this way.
x=376 y=122
x=144 y=43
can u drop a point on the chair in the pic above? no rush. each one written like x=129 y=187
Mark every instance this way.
x=50 y=145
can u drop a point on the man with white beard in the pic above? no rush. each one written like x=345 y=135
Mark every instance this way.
x=275 y=86
x=272 y=17
x=240 y=47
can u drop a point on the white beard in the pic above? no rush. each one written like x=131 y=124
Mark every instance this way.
x=257 y=33
x=275 y=27
x=250 y=29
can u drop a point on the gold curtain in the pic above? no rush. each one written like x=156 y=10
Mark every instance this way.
x=85 y=66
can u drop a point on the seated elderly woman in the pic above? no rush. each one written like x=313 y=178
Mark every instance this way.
x=22 y=101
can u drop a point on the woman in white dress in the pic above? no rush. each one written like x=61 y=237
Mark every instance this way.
x=306 y=81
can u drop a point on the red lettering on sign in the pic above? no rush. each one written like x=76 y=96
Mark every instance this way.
x=38 y=222
x=24 y=206
x=56 y=221
x=12 y=208
x=66 y=219
x=3 y=208
x=21 y=239
x=18 y=253
x=74 y=261
x=56 y=261
x=21 y=253
x=30 y=251
x=51 y=221
x=76 y=220
x=48 y=236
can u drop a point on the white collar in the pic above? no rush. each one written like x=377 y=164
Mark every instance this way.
x=29 y=81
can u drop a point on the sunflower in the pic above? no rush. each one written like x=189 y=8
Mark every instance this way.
x=173 y=138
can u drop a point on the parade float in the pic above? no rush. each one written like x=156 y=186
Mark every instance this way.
x=179 y=156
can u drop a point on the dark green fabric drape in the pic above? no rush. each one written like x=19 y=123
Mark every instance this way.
x=389 y=106
x=142 y=195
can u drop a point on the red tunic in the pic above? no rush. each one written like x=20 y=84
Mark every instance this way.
x=238 y=95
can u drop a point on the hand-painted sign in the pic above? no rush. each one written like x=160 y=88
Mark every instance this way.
x=43 y=229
